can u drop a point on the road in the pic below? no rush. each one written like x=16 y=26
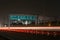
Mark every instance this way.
x=20 y=33
x=27 y=36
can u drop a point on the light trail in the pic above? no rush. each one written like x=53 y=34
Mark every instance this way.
x=32 y=28
x=35 y=30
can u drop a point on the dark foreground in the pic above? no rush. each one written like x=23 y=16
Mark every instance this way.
x=26 y=36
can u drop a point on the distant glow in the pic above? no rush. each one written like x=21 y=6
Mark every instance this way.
x=14 y=21
x=26 y=22
x=19 y=19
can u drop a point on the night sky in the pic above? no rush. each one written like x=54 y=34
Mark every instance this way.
x=42 y=7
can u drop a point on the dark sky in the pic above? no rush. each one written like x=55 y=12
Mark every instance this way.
x=42 y=7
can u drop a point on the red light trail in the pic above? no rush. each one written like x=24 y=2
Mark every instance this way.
x=34 y=30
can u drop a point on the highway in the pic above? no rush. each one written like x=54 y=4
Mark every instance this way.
x=29 y=33
x=27 y=36
x=32 y=28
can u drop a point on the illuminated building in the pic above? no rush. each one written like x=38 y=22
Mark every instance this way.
x=22 y=19
x=26 y=19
